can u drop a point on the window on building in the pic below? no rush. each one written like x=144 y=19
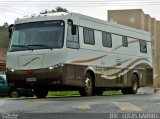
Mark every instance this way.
x=88 y=36
x=72 y=40
x=125 y=41
x=143 y=46
x=107 y=39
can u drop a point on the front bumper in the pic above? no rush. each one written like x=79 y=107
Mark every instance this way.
x=38 y=77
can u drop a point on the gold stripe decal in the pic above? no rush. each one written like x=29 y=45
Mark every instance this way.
x=100 y=57
x=122 y=62
x=137 y=60
x=116 y=65
x=130 y=42
x=88 y=60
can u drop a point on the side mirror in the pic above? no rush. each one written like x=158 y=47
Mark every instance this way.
x=73 y=27
x=10 y=28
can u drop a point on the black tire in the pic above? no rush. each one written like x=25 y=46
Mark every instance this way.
x=87 y=90
x=40 y=92
x=14 y=93
x=134 y=87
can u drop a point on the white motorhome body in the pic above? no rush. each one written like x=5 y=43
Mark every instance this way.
x=98 y=55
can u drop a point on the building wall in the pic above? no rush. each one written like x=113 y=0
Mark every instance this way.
x=136 y=18
x=153 y=38
x=4 y=41
x=157 y=42
x=147 y=23
x=132 y=18
x=3 y=52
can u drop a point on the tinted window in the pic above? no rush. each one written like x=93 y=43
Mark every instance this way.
x=107 y=39
x=143 y=46
x=37 y=35
x=124 y=41
x=1 y=79
x=88 y=36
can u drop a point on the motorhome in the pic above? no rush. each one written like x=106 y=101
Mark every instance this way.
x=70 y=51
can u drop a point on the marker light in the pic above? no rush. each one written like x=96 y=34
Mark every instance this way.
x=30 y=72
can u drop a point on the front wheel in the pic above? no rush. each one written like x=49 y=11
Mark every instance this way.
x=87 y=90
x=40 y=92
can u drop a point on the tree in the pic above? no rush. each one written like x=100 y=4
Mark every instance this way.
x=61 y=9
x=5 y=25
x=57 y=9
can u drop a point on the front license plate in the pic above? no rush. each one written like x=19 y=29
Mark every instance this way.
x=30 y=79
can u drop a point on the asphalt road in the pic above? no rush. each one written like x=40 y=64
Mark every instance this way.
x=76 y=107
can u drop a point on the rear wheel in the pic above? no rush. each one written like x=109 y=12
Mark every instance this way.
x=40 y=92
x=87 y=90
x=134 y=88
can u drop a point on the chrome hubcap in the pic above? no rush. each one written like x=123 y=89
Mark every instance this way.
x=88 y=84
x=135 y=86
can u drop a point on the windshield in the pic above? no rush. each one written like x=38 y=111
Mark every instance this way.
x=37 y=35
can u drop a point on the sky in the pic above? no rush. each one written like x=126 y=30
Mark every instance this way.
x=13 y=9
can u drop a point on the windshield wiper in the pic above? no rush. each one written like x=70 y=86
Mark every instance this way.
x=24 y=46
x=46 y=46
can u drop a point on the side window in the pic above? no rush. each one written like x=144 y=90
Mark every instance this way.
x=143 y=46
x=88 y=36
x=1 y=79
x=124 y=41
x=72 y=40
x=107 y=39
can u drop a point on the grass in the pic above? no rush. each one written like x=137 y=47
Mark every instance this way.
x=63 y=93
x=73 y=93
x=112 y=92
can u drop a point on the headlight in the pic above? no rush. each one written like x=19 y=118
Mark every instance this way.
x=10 y=70
x=56 y=66
x=51 y=68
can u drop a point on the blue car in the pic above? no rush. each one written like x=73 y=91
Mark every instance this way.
x=6 y=90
